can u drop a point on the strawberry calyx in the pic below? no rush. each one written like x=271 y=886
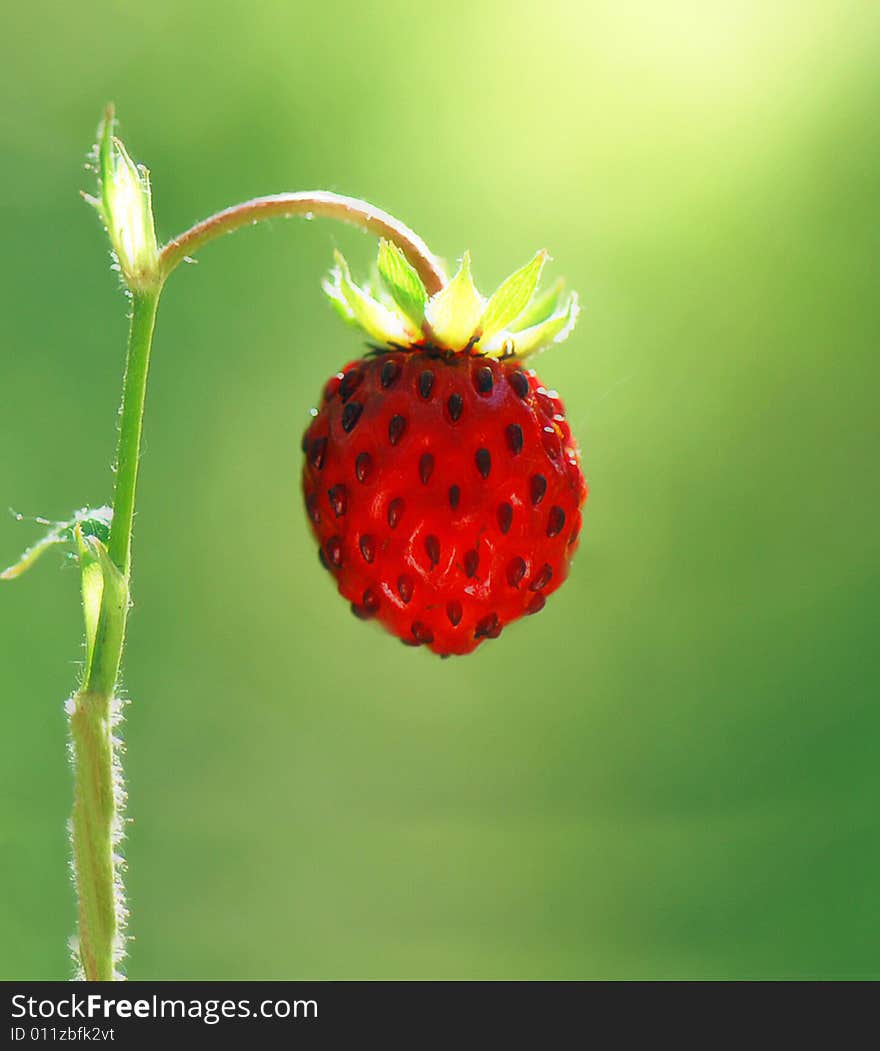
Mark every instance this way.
x=395 y=309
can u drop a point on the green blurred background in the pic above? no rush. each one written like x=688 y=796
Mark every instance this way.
x=672 y=772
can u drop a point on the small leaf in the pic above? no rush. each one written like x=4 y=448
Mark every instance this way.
x=92 y=590
x=452 y=315
x=402 y=282
x=540 y=308
x=31 y=555
x=105 y=599
x=91 y=521
x=377 y=321
x=512 y=296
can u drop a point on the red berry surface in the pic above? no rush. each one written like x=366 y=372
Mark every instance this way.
x=445 y=492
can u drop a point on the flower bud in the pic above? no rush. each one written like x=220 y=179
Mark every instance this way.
x=125 y=206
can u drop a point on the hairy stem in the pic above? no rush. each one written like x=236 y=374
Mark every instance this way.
x=98 y=795
x=93 y=822
x=308 y=202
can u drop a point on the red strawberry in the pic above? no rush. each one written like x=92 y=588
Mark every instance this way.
x=444 y=489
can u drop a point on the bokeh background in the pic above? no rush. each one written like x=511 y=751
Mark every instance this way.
x=672 y=771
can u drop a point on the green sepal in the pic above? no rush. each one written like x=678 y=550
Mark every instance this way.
x=540 y=308
x=338 y=302
x=105 y=155
x=402 y=281
x=378 y=321
x=512 y=297
x=91 y=522
x=553 y=329
x=453 y=314
x=395 y=309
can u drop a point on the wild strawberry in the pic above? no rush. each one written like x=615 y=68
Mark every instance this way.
x=441 y=478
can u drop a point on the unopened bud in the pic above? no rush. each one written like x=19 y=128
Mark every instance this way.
x=125 y=206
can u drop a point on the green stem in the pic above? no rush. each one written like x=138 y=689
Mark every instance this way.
x=143 y=320
x=98 y=794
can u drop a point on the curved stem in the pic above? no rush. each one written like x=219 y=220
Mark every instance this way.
x=308 y=202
